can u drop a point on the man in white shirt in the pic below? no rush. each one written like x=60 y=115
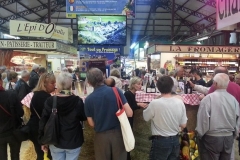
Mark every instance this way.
x=167 y=114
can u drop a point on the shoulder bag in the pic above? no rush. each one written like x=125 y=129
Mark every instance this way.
x=21 y=133
x=128 y=137
x=51 y=129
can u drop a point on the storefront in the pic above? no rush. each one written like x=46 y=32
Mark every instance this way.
x=206 y=58
x=22 y=54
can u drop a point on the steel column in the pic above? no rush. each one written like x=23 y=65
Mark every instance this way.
x=173 y=12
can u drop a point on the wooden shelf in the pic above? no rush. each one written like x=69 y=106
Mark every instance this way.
x=205 y=58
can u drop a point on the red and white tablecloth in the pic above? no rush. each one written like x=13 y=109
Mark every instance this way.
x=145 y=97
x=27 y=99
x=191 y=99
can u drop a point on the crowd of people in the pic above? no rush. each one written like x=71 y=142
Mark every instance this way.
x=217 y=118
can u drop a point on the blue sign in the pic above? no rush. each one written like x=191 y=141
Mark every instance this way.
x=143 y=2
x=108 y=52
x=124 y=7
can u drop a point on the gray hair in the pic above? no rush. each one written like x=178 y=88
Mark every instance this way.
x=25 y=73
x=95 y=77
x=35 y=66
x=133 y=81
x=222 y=80
x=162 y=71
x=64 y=81
x=115 y=72
x=220 y=70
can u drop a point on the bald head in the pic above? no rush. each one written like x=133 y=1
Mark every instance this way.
x=110 y=82
x=220 y=70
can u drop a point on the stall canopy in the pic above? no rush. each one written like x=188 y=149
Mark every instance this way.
x=38 y=46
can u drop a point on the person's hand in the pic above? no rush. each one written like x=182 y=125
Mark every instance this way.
x=142 y=105
x=44 y=148
x=191 y=84
x=201 y=96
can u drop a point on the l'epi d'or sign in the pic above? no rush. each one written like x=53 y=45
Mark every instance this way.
x=32 y=29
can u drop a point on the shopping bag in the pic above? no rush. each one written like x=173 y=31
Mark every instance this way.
x=128 y=137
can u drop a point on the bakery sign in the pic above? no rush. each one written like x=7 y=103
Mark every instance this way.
x=33 y=29
x=197 y=49
x=227 y=13
x=27 y=45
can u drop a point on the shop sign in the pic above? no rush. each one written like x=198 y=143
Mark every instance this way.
x=27 y=45
x=112 y=7
x=32 y=29
x=64 y=48
x=99 y=49
x=197 y=48
x=227 y=13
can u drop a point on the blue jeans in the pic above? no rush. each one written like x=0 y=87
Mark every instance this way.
x=165 y=148
x=64 y=154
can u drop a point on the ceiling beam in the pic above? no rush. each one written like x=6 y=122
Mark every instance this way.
x=27 y=12
x=181 y=6
x=186 y=10
x=7 y=2
x=18 y=15
x=204 y=18
x=149 y=14
x=184 y=22
x=55 y=9
x=29 y=9
x=211 y=3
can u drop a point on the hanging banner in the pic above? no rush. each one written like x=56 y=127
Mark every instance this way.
x=227 y=13
x=124 y=7
x=33 y=29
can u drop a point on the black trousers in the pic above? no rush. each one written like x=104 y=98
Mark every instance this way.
x=14 y=148
x=34 y=138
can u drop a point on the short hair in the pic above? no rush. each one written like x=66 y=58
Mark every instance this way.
x=64 y=81
x=222 y=80
x=112 y=82
x=162 y=71
x=35 y=66
x=220 y=70
x=24 y=74
x=195 y=71
x=115 y=72
x=42 y=70
x=133 y=81
x=0 y=76
x=12 y=75
x=171 y=73
x=95 y=77
x=65 y=69
x=44 y=78
x=165 y=84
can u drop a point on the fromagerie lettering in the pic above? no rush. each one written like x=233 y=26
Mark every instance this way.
x=38 y=27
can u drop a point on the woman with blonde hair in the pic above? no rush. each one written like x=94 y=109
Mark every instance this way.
x=45 y=86
x=135 y=85
x=70 y=110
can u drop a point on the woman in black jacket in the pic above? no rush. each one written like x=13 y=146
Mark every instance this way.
x=70 y=110
x=135 y=84
x=9 y=122
x=45 y=86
